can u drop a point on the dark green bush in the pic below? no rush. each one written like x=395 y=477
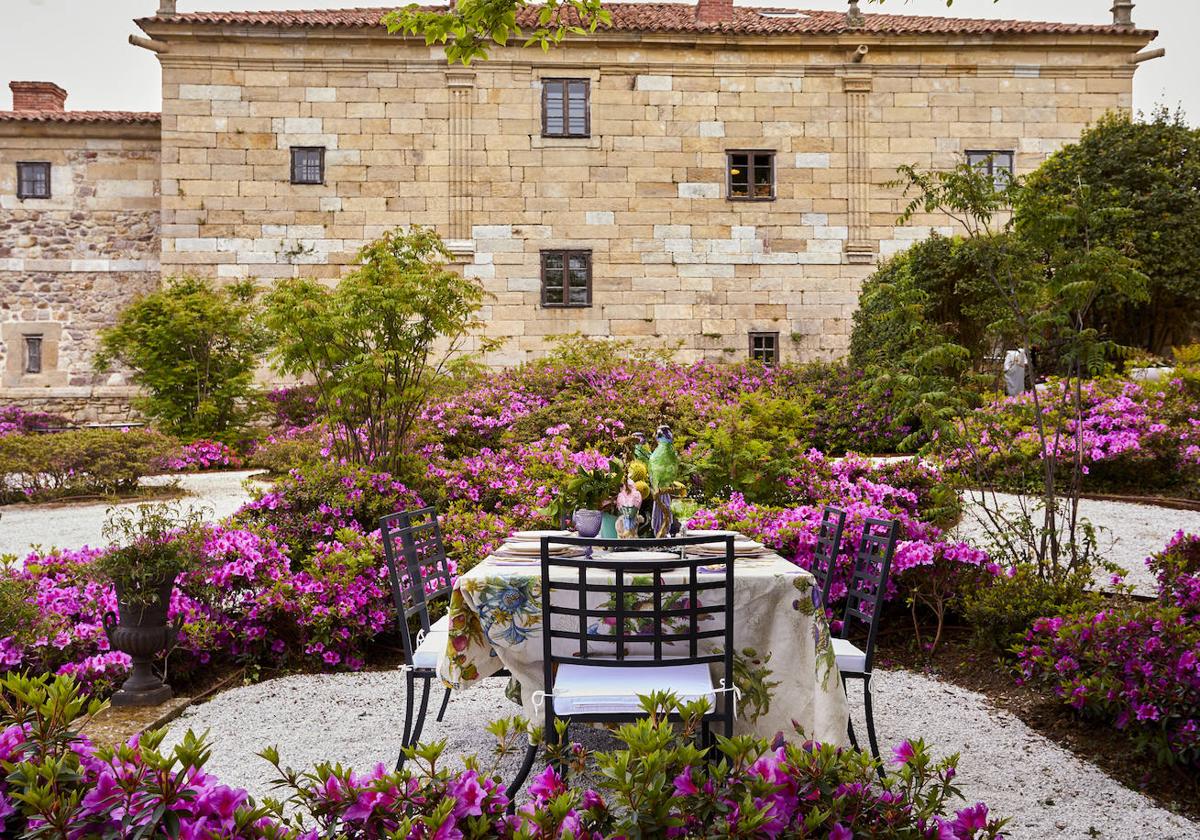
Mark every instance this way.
x=85 y=462
x=1001 y=612
x=278 y=454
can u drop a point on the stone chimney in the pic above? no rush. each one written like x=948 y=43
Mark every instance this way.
x=38 y=96
x=714 y=11
x=854 y=16
x=1122 y=13
x=166 y=7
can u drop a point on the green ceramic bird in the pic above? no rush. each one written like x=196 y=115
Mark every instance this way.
x=664 y=461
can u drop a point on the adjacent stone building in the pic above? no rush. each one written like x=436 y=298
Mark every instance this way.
x=710 y=175
x=79 y=237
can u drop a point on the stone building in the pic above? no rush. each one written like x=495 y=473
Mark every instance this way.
x=704 y=174
x=79 y=237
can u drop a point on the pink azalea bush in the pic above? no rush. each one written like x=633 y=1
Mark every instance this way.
x=58 y=783
x=1135 y=666
x=1134 y=436
x=202 y=455
x=15 y=420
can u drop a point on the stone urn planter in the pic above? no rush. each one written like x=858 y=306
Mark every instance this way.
x=142 y=631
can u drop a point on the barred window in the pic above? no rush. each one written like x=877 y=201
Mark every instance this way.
x=566 y=278
x=566 y=108
x=764 y=347
x=33 y=180
x=997 y=164
x=308 y=164
x=33 y=354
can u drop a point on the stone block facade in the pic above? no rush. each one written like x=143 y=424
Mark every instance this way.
x=410 y=140
x=71 y=261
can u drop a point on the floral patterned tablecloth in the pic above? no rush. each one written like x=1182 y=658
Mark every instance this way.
x=784 y=664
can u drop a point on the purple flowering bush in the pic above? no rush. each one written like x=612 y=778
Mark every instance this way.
x=201 y=455
x=1136 y=666
x=1134 y=436
x=15 y=420
x=57 y=783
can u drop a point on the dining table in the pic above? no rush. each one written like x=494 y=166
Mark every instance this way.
x=785 y=671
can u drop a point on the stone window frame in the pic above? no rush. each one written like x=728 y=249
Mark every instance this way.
x=764 y=347
x=751 y=166
x=299 y=168
x=565 y=83
x=986 y=159
x=23 y=183
x=13 y=335
x=566 y=254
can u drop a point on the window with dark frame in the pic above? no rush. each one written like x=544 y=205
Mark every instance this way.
x=566 y=108
x=997 y=164
x=33 y=180
x=750 y=175
x=308 y=164
x=33 y=354
x=764 y=347
x=566 y=278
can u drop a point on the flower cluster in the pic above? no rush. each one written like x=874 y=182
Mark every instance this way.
x=202 y=455
x=1136 y=666
x=15 y=420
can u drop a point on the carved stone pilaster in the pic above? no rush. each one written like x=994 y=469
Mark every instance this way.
x=462 y=91
x=859 y=248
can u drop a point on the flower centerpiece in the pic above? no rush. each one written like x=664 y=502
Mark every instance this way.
x=152 y=545
x=591 y=494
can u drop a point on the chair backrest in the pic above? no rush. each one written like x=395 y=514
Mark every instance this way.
x=417 y=568
x=868 y=584
x=604 y=611
x=825 y=553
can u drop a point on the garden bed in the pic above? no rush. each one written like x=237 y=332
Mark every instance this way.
x=962 y=663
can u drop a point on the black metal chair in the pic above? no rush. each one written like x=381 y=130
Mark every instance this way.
x=419 y=573
x=660 y=625
x=825 y=553
x=868 y=584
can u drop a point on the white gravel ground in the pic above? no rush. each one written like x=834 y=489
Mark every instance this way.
x=356 y=718
x=78 y=525
x=1128 y=533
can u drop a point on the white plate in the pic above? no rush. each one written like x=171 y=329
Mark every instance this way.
x=520 y=536
x=713 y=534
x=739 y=547
x=638 y=556
x=531 y=547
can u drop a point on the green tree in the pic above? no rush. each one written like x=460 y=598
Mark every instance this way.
x=380 y=342
x=193 y=350
x=469 y=28
x=1150 y=169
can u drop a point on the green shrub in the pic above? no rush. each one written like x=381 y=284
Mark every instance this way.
x=19 y=617
x=1000 y=613
x=279 y=454
x=193 y=349
x=86 y=462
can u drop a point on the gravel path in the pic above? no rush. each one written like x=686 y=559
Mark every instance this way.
x=1128 y=533
x=78 y=525
x=356 y=718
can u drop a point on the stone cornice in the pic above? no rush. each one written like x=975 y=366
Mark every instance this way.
x=81 y=130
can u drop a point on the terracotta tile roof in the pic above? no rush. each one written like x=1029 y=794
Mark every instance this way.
x=681 y=17
x=119 y=117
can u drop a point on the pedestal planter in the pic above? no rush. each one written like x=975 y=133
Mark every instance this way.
x=143 y=633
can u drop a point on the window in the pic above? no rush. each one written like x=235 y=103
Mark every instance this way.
x=565 y=108
x=308 y=164
x=764 y=347
x=998 y=165
x=566 y=278
x=33 y=180
x=751 y=176
x=33 y=354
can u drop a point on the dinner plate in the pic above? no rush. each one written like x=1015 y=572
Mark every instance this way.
x=535 y=547
x=519 y=536
x=638 y=556
x=739 y=547
x=713 y=534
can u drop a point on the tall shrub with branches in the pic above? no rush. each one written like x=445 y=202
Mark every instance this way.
x=193 y=348
x=1047 y=270
x=380 y=342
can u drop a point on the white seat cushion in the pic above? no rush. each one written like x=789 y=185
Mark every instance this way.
x=590 y=690
x=849 y=657
x=427 y=653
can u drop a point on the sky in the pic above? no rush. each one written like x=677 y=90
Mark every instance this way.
x=83 y=44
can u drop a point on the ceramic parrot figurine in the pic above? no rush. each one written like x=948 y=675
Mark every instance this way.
x=629 y=500
x=663 y=465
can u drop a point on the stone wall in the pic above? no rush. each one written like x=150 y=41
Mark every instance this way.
x=71 y=262
x=410 y=140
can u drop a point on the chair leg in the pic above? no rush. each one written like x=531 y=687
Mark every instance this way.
x=871 y=723
x=522 y=774
x=408 y=715
x=706 y=739
x=425 y=692
x=445 y=703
